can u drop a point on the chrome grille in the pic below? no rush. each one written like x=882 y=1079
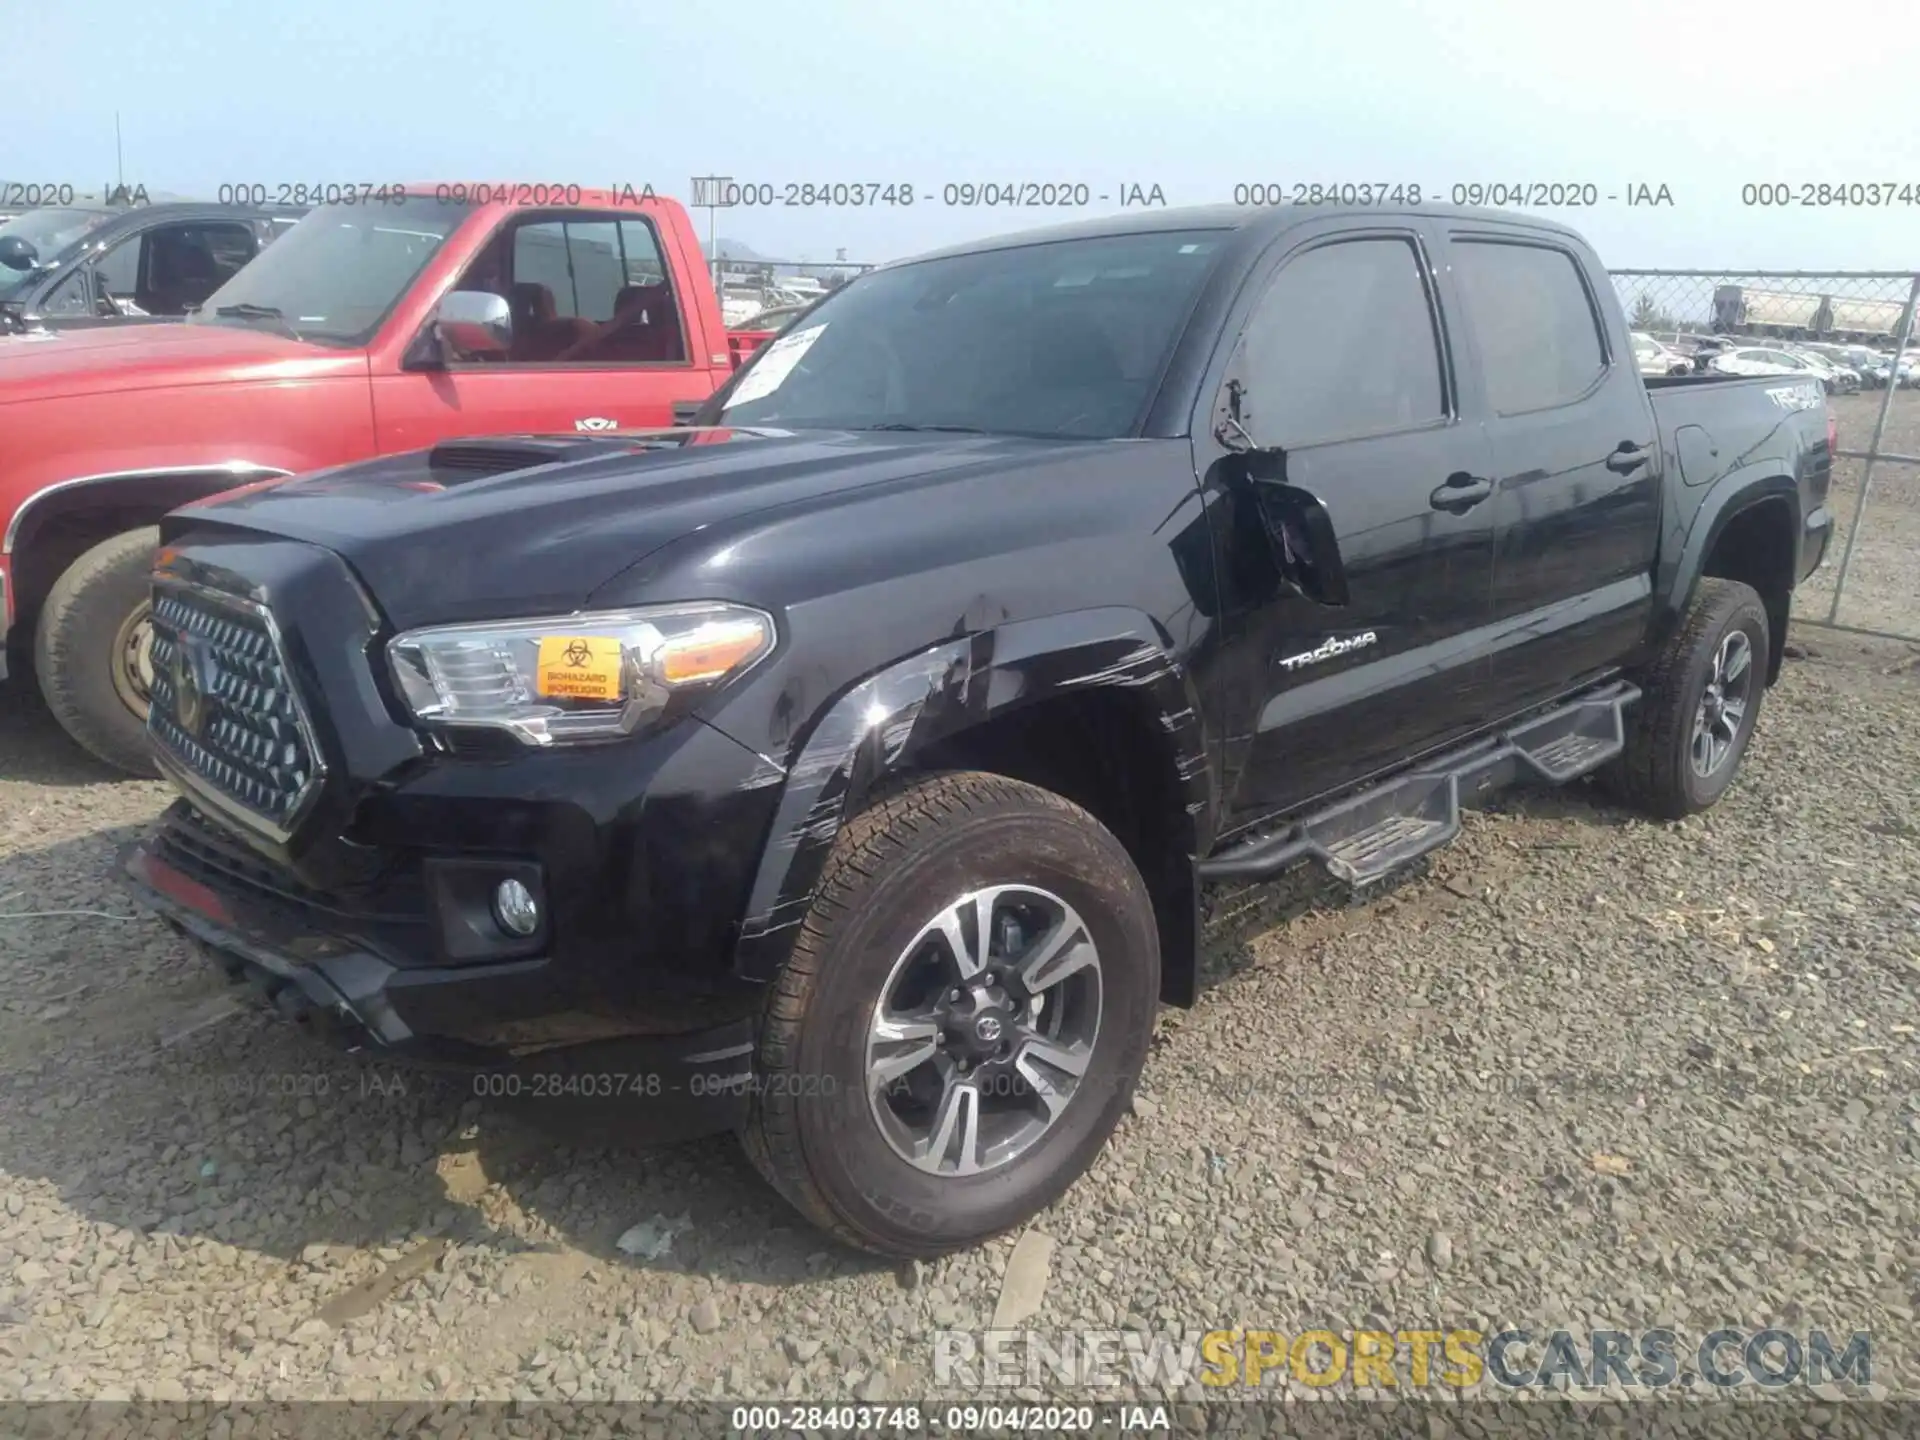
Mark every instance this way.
x=224 y=711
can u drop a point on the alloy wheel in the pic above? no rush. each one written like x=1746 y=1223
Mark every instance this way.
x=983 y=1030
x=1723 y=704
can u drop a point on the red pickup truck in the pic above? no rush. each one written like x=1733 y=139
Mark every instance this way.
x=368 y=328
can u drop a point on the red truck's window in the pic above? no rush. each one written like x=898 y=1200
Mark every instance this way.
x=1530 y=313
x=589 y=291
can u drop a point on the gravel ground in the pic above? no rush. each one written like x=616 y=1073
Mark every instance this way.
x=1584 y=1071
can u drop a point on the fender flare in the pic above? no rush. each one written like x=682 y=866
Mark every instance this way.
x=1732 y=494
x=880 y=724
x=222 y=474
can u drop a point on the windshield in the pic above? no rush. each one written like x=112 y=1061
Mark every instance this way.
x=51 y=232
x=1065 y=339
x=334 y=277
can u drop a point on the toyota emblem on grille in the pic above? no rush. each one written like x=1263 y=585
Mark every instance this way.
x=189 y=692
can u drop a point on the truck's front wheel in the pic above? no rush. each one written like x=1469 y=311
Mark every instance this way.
x=962 y=1020
x=91 y=649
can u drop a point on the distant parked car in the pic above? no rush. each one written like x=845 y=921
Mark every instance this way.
x=1702 y=350
x=1869 y=365
x=72 y=266
x=1653 y=358
x=774 y=317
x=1840 y=379
x=1761 y=360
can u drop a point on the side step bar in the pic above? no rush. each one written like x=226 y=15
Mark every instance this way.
x=1369 y=835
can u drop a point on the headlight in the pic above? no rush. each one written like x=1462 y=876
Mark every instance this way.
x=574 y=677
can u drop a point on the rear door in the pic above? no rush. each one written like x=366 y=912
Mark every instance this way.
x=1345 y=366
x=600 y=338
x=1576 y=512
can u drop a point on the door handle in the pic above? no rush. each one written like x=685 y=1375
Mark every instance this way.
x=1628 y=457
x=1461 y=493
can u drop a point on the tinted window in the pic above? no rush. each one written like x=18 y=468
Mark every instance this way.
x=1538 y=336
x=186 y=263
x=1341 y=345
x=1062 y=339
x=119 y=269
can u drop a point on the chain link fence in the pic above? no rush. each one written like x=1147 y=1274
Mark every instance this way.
x=757 y=292
x=1858 y=325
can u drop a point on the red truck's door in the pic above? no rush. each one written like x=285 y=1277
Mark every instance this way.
x=604 y=337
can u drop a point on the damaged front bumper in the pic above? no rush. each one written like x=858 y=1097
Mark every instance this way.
x=670 y=1087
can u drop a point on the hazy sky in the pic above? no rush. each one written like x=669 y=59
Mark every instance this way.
x=1194 y=97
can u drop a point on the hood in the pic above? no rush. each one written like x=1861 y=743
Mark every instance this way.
x=47 y=364
x=525 y=525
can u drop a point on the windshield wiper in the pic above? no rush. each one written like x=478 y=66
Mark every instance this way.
x=944 y=429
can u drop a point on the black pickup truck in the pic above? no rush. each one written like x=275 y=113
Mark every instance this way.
x=844 y=767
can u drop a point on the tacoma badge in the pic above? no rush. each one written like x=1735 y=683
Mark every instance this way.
x=1327 y=649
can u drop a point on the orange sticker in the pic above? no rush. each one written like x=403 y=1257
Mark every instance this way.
x=579 y=667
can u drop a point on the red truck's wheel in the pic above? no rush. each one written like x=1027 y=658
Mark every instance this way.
x=963 y=1018
x=90 y=649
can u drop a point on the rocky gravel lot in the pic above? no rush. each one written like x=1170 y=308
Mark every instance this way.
x=1586 y=1071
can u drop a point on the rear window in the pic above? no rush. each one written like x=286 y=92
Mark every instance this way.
x=1532 y=320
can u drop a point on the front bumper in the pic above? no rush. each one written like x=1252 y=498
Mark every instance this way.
x=358 y=892
x=673 y=1086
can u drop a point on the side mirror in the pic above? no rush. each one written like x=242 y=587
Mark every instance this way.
x=473 y=325
x=18 y=254
x=1298 y=529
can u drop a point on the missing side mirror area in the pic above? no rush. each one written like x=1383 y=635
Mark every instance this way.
x=1297 y=528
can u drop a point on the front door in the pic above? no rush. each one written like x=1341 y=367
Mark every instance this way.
x=1342 y=364
x=599 y=340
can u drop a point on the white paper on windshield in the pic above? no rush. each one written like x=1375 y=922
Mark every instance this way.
x=770 y=371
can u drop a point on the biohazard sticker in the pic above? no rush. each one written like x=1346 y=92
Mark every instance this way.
x=579 y=667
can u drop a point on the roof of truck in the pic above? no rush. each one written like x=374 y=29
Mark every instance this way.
x=1270 y=219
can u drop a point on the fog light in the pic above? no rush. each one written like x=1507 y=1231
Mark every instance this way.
x=515 y=909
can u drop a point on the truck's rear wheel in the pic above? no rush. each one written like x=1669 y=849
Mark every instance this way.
x=1686 y=737
x=962 y=1020
x=92 y=649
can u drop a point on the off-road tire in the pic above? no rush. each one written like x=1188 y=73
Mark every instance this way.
x=74 y=644
x=917 y=845
x=1653 y=773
